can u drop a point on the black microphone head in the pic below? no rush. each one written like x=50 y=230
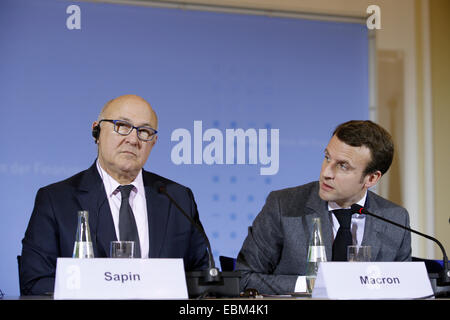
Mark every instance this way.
x=356 y=208
x=159 y=187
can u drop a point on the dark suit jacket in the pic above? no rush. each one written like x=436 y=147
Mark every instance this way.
x=53 y=223
x=274 y=253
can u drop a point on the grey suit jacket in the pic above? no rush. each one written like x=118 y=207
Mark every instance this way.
x=274 y=253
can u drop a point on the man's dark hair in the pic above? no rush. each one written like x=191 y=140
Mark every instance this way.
x=357 y=133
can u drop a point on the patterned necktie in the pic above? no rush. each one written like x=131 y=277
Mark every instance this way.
x=127 y=223
x=343 y=236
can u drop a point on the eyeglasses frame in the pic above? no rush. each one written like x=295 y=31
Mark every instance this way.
x=132 y=127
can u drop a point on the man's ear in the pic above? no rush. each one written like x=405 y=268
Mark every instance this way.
x=96 y=131
x=372 y=179
x=154 y=140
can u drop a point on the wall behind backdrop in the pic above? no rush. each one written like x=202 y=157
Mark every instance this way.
x=246 y=103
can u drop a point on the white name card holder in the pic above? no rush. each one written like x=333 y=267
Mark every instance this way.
x=372 y=280
x=106 y=278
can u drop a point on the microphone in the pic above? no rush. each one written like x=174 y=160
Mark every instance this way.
x=212 y=274
x=444 y=274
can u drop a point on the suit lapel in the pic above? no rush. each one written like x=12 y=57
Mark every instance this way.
x=319 y=207
x=373 y=227
x=92 y=197
x=158 y=210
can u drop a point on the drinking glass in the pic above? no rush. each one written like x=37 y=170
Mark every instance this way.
x=358 y=253
x=122 y=249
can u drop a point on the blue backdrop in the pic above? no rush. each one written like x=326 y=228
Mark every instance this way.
x=246 y=104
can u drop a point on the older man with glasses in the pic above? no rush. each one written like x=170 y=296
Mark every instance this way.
x=122 y=200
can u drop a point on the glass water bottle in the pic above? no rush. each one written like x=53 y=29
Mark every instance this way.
x=83 y=243
x=316 y=254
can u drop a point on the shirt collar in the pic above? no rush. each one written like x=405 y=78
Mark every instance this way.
x=111 y=184
x=334 y=206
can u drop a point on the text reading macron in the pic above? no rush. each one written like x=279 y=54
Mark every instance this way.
x=366 y=280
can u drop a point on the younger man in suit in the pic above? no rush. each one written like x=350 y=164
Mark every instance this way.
x=125 y=133
x=273 y=256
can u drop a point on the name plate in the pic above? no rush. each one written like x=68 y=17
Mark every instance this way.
x=372 y=280
x=106 y=278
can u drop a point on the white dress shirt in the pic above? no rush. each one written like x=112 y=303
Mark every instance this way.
x=358 y=221
x=357 y=229
x=137 y=202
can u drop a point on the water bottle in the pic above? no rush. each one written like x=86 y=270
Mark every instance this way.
x=316 y=254
x=83 y=243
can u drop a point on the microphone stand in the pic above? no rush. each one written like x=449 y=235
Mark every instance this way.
x=444 y=274
x=209 y=281
x=212 y=274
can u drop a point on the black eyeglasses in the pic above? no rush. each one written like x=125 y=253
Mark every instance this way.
x=124 y=128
